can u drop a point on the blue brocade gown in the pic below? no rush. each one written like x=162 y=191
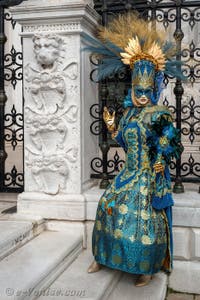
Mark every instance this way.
x=132 y=230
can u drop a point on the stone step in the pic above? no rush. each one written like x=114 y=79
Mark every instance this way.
x=37 y=264
x=6 y=206
x=15 y=233
x=17 y=229
x=75 y=283
x=8 y=197
x=125 y=289
x=185 y=277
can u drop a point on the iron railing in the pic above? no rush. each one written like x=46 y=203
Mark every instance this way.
x=11 y=124
x=175 y=13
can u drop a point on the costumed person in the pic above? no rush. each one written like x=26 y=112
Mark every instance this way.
x=133 y=226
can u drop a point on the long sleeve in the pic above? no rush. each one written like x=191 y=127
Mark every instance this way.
x=165 y=137
x=165 y=144
x=118 y=134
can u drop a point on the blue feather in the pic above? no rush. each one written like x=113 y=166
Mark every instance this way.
x=173 y=68
x=110 y=59
x=110 y=62
x=110 y=68
x=167 y=46
x=91 y=40
x=106 y=48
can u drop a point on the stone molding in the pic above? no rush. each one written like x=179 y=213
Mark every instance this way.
x=40 y=16
x=69 y=27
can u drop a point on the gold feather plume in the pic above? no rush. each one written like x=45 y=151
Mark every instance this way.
x=137 y=38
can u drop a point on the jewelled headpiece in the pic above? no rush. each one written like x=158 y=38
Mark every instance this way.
x=143 y=74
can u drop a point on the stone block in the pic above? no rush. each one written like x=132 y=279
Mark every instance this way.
x=186 y=211
x=179 y=296
x=185 y=277
x=186 y=216
x=92 y=196
x=181 y=237
x=70 y=227
x=61 y=206
x=196 y=243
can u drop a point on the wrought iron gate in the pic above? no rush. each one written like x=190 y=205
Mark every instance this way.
x=11 y=121
x=182 y=16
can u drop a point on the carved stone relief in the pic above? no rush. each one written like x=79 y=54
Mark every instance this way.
x=51 y=171
x=49 y=115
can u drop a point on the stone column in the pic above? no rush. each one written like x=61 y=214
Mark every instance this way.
x=58 y=93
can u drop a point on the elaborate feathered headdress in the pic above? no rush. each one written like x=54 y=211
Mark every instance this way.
x=129 y=39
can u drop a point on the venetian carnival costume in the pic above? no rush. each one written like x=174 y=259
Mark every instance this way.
x=133 y=226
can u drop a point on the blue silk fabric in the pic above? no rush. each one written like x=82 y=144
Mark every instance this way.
x=133 y=226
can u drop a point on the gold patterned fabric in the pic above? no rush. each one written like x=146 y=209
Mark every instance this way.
x=129 y=234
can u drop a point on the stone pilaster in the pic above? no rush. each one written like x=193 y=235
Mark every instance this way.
x=58 y=93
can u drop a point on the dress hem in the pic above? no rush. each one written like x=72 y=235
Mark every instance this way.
x=135 y=273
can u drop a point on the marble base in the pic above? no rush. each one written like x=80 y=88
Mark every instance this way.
x=67 y=207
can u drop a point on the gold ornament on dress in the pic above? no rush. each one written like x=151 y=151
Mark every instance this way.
x=164 y=141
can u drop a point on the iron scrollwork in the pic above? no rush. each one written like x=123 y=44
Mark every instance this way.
x=115 y=164
x=165 y=17
x=14 y=179
x=192 y=16
x=95 y=112
x=8 y=17
x=11 y=124
x=191 y=120
x=186 y=115
x=191 y=59
x=191 y=167
x=13 y=66
x=14 y=127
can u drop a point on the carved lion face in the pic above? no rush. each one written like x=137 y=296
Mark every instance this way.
x=47 y=49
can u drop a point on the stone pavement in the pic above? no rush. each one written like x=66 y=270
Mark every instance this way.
x=180 y=296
